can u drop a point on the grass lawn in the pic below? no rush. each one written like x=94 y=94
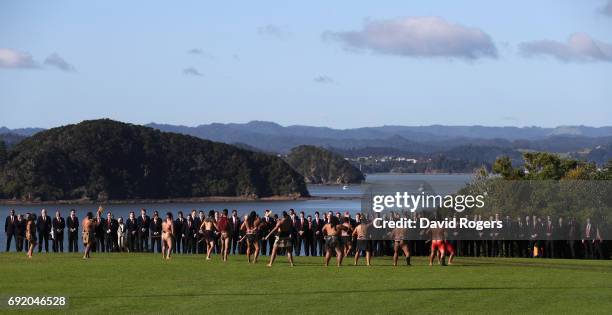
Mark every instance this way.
x=143 y=283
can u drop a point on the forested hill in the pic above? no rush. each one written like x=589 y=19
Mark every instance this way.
x=319 y=166
x=105 y=159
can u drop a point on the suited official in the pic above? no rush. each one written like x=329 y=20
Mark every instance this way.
x=72 y=224
x=20 y=229
x=559 y=235
x=269 y=223
x=179 y=233
x=156 y=229
x=144 y=222
x=294 y=231
x=508 y=232
x=43 y=227
x=58 y=225
x=197 y=221
x=234 y=225
x=191 y=234
x=100 y=236
x=549 y=247
x=9 y=229
x=308 y=237
x=317 y=228
x=302 y=234
x=131 y=227
x=588 y=235
x=110 y=233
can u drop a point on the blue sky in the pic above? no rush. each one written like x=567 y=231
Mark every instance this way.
x=341 y=64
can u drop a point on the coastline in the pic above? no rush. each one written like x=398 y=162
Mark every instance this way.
x=9 y=202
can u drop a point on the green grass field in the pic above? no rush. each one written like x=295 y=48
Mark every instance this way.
x=143 y=283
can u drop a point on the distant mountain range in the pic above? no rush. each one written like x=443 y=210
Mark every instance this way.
x=272 y=137
x=20 y=131
x=482 y=142
x=414 y=133
x=11 y=138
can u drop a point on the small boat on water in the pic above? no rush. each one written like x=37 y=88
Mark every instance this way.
x=345 y=187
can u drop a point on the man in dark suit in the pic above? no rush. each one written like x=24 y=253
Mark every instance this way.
x=9 y=229
x=588 y=235
x=521 y=236
x=58 y=225
x=110 y=232
x=197 y=221
x=535 y=235
x=131 y=226
x=234 y=224
x=191 y=234
x=317 y=234
x=43 y=225
x=507 y=234
x=302 y=233
x=268 y=223
x=156 y=229
x=528 y=227
x=143 y=231
x=72 y=223
x=179 y=233
x=20 y=229
x=308 y=236
x=99 y=235
x=560 y=235
x=572 y=235
x=294 y=229
x=549 y=246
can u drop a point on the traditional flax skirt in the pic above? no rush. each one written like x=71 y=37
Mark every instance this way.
x=87 y=238
x=283 y=242
x=31 y=237
x=332 y=242
x=364 y=245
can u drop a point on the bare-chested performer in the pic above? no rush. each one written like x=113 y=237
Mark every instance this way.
x=224 y=237
x=331 y=234
x=89 y=225
x=283 y=238
x=250 y=226
x=208 y=228
x=345 y=235
x=437 y=243
x=31 y=233
x=363 y=244
x=400 y=241
x=167 y=236
x=450 y=249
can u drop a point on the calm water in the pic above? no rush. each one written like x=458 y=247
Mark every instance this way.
x=441 y=182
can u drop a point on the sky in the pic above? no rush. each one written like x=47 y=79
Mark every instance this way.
x=341 y=64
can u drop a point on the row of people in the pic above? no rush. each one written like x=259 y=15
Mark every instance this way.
x=335 y=241
x=144 y=233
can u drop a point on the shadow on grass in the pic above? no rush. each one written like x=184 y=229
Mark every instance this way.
x=335 y=292
x=535 y=263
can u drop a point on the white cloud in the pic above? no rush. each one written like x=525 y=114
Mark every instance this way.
x=57 y=61
x=195 y=51
x=607 y=9
x=418 y=37
x=579 y=47
x=192 y=71
x=10 y=58
x=276 y=31
x=324 y=79
x=200 y=52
